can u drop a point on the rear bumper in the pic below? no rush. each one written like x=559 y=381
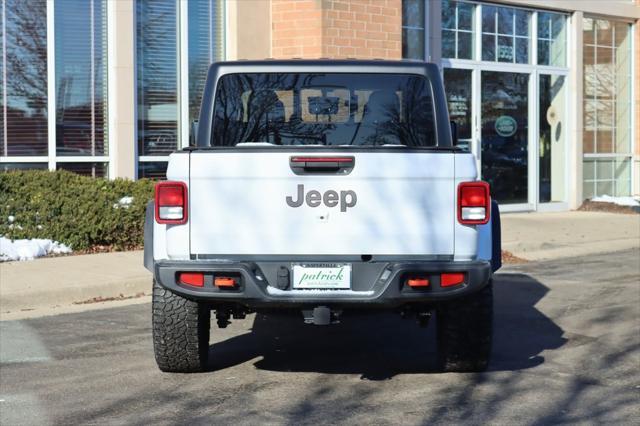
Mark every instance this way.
x=374 y=284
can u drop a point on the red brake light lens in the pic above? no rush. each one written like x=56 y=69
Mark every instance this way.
x=171 y=203
x=474 y=203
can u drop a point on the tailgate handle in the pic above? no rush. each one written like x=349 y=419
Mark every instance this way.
x=322 y=165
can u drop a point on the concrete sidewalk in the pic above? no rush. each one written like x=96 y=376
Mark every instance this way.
x=537 y=236
x=52 y=285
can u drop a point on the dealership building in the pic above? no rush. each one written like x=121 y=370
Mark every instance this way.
x=545 y=93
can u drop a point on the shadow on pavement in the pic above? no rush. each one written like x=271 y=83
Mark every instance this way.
x=380 y=346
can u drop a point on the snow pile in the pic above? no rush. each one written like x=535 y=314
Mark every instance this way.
x=29 y=249
x=620 y=201
x=123 y=203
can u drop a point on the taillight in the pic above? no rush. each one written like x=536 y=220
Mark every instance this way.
x=474 y=203
x=171 y=203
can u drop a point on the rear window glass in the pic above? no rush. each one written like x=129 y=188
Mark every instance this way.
x=323 y=109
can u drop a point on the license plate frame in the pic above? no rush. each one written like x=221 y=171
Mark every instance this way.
x=321 y=275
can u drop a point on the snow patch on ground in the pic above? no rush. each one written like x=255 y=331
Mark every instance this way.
x=29 y=249
x=123 y=203
x=620 y=201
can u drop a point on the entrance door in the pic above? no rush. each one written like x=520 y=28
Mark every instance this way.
x=504 y=135
x=552 y=129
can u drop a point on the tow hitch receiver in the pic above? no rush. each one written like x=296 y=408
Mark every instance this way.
x=321 y=315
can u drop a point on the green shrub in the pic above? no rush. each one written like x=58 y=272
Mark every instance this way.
x=79 y=211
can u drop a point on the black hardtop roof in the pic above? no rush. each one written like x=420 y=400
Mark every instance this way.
x=324 y=65
x=322 y=61
x=369 y=66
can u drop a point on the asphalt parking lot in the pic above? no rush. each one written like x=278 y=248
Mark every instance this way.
x=566 y=350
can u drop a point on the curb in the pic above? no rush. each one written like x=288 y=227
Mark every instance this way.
x=54 y=297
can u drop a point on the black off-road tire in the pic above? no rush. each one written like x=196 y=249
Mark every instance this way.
x=180 y=332
x=464 y=332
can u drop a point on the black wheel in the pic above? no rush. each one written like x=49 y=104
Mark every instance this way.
x=464 y=331
x=180 y=332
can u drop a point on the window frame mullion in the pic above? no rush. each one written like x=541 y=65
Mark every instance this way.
x=51 y=85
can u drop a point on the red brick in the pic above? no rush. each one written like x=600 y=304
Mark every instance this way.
x=305 y=5
x=341 y=24
x=374 y=9
x=347 y=34
x=354 y=7
x=358 y=42
x=347 y=51
x=381 y=19
x=390 y=11
x=379 y=53
x=340 y=5
x=388 y=28
x=363 y=53
x=347 y=16
x=371 y=26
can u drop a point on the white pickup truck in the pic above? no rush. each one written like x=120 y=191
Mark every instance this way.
x=322 y=186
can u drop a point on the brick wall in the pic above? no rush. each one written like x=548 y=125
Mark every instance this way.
x=296 y=28
x=361 y=29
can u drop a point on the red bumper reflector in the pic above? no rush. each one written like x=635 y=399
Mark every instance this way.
x=451 y=278
x=418 y=282
x=194 y=279
x=224 y=282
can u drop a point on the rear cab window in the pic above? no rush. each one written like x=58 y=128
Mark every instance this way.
x=323 y=109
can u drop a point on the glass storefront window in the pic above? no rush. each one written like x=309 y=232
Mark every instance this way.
x=413 y=29
x=606 y=176
x=81 y=77
x=23 y=78
x=552 y=133
x=457 y=29
x=552 y=39
x=504 y=135
x=607 y=107
x=458 y=87
x=157 y=63
x=7 y=167
x=205 y=47
x=96 y=170
x=152 y=170
x=505 y=34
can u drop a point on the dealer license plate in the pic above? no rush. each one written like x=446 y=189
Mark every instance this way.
x=322 y=275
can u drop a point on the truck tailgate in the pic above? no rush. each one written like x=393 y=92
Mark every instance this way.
x=391 y=203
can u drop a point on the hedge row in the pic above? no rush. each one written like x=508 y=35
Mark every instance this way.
x=79 y=211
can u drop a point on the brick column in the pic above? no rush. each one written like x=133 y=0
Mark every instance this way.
x=362 y=29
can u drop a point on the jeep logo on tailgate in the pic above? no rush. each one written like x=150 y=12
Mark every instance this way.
x=330 y=198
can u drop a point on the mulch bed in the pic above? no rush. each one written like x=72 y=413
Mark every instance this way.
x=597 y=206
x=508 y=257
x=100 y=299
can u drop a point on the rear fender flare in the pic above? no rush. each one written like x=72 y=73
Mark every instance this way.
x=148 y=236
x=490 y=239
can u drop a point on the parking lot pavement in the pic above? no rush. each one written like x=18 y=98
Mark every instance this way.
x=566 y=349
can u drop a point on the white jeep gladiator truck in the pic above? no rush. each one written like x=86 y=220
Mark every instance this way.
x=322 y=187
